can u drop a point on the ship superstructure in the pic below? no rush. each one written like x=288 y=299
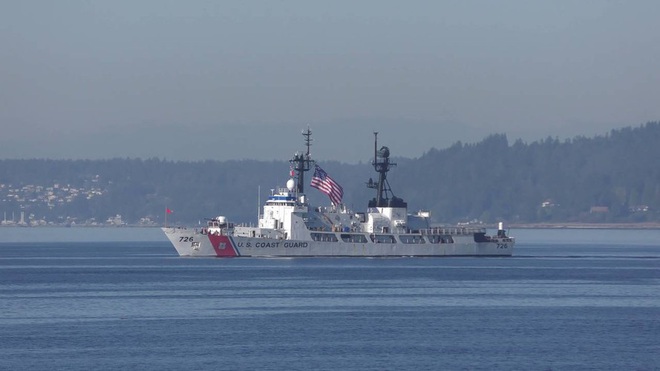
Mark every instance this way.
x=290 y=226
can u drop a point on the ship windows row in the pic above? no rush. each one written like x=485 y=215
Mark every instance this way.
x=380 y=238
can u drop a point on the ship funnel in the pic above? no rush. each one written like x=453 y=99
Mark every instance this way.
x=500 y=230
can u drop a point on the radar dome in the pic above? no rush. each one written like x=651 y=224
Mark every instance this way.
x=290 y=184
x=384 y=152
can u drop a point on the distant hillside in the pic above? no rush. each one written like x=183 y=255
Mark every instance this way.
x=609 y=178
x=603 y=179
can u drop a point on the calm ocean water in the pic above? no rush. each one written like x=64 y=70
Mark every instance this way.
x=568 y=299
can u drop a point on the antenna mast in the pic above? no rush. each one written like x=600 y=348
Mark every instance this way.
x=301 y=163
x=382 y=165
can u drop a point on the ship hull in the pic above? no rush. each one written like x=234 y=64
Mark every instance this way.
x=193 y=242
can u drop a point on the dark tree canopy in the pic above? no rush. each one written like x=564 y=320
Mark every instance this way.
x=608 y=178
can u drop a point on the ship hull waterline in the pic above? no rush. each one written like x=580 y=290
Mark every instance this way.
x=193 y=243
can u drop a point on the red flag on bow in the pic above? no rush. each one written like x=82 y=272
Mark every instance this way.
x=167 y=210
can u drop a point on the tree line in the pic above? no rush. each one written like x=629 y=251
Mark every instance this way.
x=606 y=178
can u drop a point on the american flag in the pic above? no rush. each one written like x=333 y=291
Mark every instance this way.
x=325 y=184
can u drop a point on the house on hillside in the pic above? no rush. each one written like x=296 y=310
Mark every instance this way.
x=599 y=210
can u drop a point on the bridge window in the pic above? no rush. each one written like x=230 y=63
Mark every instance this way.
x=411 y=238
x=440 y=239
x=382 y=238
x=324 y=237
x=353 y=238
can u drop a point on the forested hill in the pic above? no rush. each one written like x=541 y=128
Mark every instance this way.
x=615 y=177
x=609 y=178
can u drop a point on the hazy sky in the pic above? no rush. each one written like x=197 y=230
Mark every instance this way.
x=241 y=79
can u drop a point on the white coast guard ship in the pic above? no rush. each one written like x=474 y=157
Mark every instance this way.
x=289 y=226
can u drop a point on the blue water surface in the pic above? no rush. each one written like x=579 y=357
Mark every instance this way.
x=122 y=299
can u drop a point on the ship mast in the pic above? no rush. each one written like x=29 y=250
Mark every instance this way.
x=382 y=165
x=301 y=163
